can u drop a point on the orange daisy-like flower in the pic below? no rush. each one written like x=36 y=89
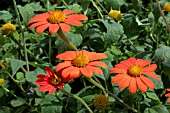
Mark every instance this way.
x=133 y=73
x=168 y=94
x=50 y=82
x=80 y=62
x=56 y=19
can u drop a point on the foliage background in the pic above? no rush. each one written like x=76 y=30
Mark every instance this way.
x=141 y=33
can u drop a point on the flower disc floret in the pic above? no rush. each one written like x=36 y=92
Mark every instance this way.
x=80 y=60
x=8 y=28
x=133 y=73
x=56 y=17
x=115 y=15
x=101 y=102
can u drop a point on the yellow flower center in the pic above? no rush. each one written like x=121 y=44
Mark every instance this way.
x=115 y=15
x=56 y=16
x=166 y=7
x=101 y=102
x=80 y=60
x=1 y=81
x=56 y=81
x=135 y=70
x=8 y=28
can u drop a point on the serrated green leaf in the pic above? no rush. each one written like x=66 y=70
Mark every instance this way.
x=16 y=65
x=5 y=15
x=17 y=102
x=27 y=12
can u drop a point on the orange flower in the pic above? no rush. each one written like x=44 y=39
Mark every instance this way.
x=133 y=73
x=56 y=19
x=168 y=94
x=50 y=82
x=80 y=62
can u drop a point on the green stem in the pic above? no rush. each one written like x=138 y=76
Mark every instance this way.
x=102 y=7
x=94 y=4
x=78 y=98
x=114 y=96
x=15 y=81
x=22 y=35
x=49 y=55
x=5 y=89
x=63 y=37
x=132 y=44
x=65 y=4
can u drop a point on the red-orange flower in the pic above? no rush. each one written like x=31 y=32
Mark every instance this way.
x=134 y=73
x=50 y=82
x=168 y=94
x=80 y=62
x=56 y=19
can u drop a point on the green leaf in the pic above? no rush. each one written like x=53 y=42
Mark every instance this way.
x=52 y=108
x=36 y=6
x=21 y=109
x=76 y=7
x=162 y=53
x=114 y=4
x=4 y=109
x=114 y=30
x=151 y=94
x=75 y=39
x=17 y=102
x=31 y=76
x=27 y=12
x=130 y=25
x=160 y=109
x=5 y=15
x=16 y=65
x=150 y=110
x=20 y=75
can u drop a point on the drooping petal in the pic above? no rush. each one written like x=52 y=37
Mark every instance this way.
x=39 y=18
x=75 y=73
x=67 y=12
x=66 y=72
x=124 y=82
x=41 y=28
x=152 y=74
x=53 y=28
x=141 y=85
x=77 y=17
x=118 y=78
x=65 y=28
x=150 y=68
x=63 y=65
x=133 y=85
x=38 y=24
x=41 y=82
x=98 y=63
x=52 y=89
x=44 y=88
x=95 y=69
x=49 y=72
x=117 y=70
x=86 y=72
x=142 y=62
x=68 y=55
x=147 y=81
x=73 y=22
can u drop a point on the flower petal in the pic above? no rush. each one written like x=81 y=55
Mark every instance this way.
x=44 y=87
x=133 y=85
x=117 y=70
x=49 y=72
x=142 y=62
x=66 y=72
x=63 y=65
x=38 y=24
x=68 y=55
x=95 y=69
x=141 y=85
x=97 y=56
x=122 y=66
x=65 y=28
x=150 y=68
x=41 y=28
x=126 y=63
x=75 y=73
x=60 y=86
x=118 y=78
x=77 y=17
x=67 y=12
x=53 y=28
x=167 y=95
x=41 y=82
x=98 y=63
x=132 y=60
x=39 y=18
x=124 y=82
x=147 y=81
x=52 y=89
x=152 y=74
x=86 y=72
